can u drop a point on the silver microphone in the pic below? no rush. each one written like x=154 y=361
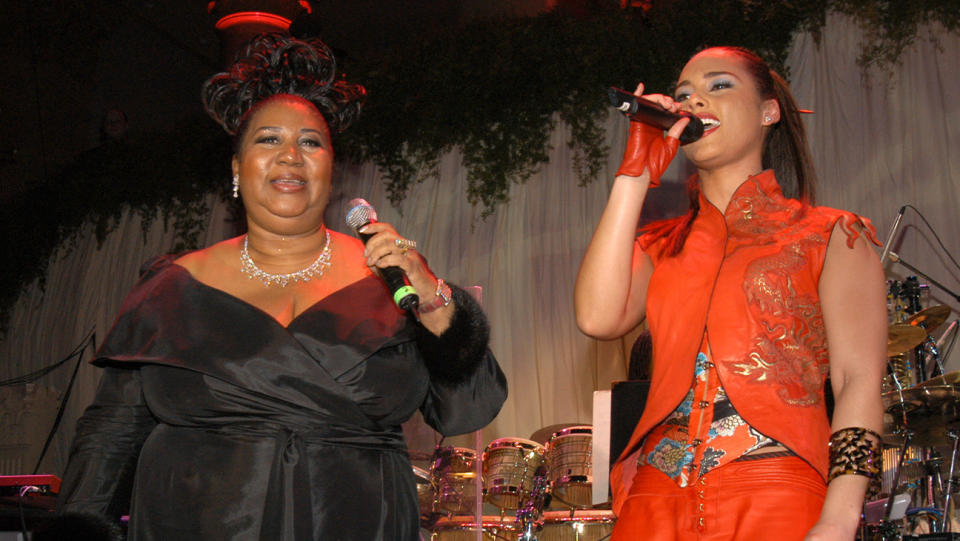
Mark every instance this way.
x=362 y=213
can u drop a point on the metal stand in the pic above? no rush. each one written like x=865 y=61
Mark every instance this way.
x=907 y=436
x=945 y=520
x=529 y=513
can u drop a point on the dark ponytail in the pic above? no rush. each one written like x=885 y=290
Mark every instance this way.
x=785 y=149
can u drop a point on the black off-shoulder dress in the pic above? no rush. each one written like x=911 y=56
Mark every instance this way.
x=215 y=422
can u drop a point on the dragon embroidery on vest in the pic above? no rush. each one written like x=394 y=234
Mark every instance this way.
x=791 y=351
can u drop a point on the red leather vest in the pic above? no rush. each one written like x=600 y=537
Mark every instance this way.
x=749 y=276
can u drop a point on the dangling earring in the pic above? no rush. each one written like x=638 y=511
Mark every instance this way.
x=236 y=186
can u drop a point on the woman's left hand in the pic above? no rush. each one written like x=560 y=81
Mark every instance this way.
x=386 y=248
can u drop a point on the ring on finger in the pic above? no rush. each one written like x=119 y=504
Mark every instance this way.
x=405 y=244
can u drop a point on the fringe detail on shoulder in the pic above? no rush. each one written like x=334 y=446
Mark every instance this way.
x=854 y=225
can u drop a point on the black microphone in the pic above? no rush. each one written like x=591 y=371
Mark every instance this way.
x=889 y=241
x=651 y=113
x=362 y=213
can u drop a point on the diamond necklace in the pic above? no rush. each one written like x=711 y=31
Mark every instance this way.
x=314 y=270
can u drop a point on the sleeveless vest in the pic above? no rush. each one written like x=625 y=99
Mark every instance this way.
x=750 y=277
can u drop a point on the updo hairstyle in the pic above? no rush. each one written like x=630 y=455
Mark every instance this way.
x=274 y=64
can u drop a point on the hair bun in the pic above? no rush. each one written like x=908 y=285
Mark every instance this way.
x=278 y=64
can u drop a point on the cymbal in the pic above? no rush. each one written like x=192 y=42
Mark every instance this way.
x=902 y=338
x=543 y=435
x=950 y=378
x=930 y=412
x=929 y=318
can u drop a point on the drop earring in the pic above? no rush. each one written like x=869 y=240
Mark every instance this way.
x=236 y=186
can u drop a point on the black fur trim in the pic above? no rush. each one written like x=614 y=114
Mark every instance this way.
x=453 y=356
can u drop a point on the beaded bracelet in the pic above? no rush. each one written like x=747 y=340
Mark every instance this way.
x=855 y=451
x=443 y=296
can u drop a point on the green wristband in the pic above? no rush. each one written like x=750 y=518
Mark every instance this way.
x=403 y=292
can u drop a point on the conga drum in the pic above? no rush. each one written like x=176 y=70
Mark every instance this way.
x=426 y=495
x=570 y=466
x=509 y=465
x=464 y=528
x=454 y=477
x=579 y=525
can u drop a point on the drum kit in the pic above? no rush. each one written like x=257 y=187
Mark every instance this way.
x=921 y=423
x=539 y=491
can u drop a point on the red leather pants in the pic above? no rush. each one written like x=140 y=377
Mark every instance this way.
x=751 y=500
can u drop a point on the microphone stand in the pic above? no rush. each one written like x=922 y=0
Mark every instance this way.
x=897 y=259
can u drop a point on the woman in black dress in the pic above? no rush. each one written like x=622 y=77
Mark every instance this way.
x=255 y=389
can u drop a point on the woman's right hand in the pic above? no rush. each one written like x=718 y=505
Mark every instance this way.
x=647 y=148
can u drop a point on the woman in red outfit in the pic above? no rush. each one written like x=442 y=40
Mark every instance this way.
x=753 y=298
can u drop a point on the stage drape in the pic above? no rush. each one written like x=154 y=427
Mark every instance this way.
x=880 y=141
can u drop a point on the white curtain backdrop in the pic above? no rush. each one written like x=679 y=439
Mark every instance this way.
x=879 y=142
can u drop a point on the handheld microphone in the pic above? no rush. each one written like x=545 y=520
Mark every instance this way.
x=889 y=241
x=652 y=114
x=362 y=213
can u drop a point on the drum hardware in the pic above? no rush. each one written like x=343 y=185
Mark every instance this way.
x=896 y=302
x=912 y=291
x=928 y=320
x=907 y=435
x=921 y=403
x=931 y=356
x=426 y=497
x=927 y=414
x=944 y=525
x=529 y=514
x=900 y=368
x=910 y=472
x=949 y=333
x=897 y=259
x=903 y=300
x=884 y=531
x=934 y=488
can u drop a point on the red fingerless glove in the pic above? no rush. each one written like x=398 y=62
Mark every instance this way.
x=647 y=148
